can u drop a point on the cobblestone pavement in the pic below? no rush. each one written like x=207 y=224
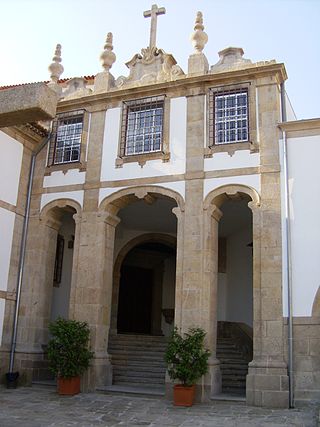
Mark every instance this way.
x=40 y=406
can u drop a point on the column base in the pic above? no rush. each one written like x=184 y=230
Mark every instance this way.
x=268 y=384
x=99 y=373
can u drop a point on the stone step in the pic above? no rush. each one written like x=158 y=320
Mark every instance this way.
x=140 y=376
x=138 y=362
x=145 y=369
x=138 y=352
x=127 y=379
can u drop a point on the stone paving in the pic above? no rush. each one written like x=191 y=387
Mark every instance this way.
x=42 y=407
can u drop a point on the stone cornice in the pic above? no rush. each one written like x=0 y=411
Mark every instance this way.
x=300 y=125
x=184 y=83
x=24 y=135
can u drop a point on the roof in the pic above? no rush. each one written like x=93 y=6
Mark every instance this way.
x=46 y=82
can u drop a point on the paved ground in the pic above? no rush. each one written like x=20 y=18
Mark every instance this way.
x=42 y=407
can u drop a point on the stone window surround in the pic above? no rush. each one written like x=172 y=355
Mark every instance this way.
x=81 y=165
x=142 y=158
x=231 y=148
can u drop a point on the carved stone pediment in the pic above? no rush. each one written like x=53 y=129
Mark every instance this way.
x=76 y=88
x=231 y=58
x=153 y=65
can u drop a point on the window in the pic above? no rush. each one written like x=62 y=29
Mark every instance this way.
x=142 y=126
x=228 y=117
x=57 y=275
x=65 y=145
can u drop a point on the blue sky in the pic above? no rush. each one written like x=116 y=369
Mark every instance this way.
x=285 y=30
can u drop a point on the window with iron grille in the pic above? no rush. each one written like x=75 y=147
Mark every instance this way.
x=65 y=145
x=229 y=117
x=142 y=126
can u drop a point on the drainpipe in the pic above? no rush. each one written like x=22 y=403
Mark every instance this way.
x=22 y=253
x=288 y=249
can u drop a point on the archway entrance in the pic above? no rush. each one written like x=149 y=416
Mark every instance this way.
x=62 y=275
x=143 y=290
x=235 y=293
x=146 y=282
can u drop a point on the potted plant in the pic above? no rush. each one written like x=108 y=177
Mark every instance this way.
x=68 y=353
x=187 y=360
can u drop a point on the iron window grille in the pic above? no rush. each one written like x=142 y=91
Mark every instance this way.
x=142 y=126
x=229 y=118
x=66 y=135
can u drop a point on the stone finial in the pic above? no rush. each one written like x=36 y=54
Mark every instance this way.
x=199 y=38
x=108 y=57
x=56 y=69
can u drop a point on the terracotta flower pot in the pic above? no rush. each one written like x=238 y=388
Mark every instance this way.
x=69 y=386
x=183 y=396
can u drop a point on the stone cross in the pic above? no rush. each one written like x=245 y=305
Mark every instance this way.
x=153 y=13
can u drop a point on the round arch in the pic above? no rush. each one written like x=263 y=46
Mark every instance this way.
x=116 y=201
x=54 y=208
x=165 y=239
x=219 y=195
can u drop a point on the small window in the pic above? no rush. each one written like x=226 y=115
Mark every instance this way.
x=65 y=144
x=229 y=117
x=57 y=275
x=142 y=126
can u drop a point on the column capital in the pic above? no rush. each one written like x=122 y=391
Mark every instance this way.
x=178 y=212
x=108 y=218
x=214 y=212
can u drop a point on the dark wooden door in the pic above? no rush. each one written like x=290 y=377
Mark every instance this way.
x=135 y=300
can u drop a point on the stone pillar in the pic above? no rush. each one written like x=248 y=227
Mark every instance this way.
x=93 y=292
x=195 y=298
x=267 y=381
x=36 y=293
x=212 y=216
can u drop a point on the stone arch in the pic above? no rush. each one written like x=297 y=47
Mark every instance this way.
x=316 y=304
x=54 y=209
x=212 y=215
x=166 y=239
x=118 y=200
x=231 y=191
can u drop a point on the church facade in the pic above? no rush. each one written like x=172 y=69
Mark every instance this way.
x=167 y=198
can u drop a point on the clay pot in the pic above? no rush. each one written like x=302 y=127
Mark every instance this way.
x=183 y=396
x=69 y=386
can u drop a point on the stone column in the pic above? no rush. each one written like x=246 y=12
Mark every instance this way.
x=92 y=295
x=196 y=298
x=267 y=381
x=35 y=303
x=212 y=216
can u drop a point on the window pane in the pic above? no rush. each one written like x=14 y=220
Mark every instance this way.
x=144 y=127
x=231 y=114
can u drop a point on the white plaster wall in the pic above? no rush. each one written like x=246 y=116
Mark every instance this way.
x=291 y=115
x=177 y=147
x=240 y=159
x=61 y=295
x=222 y=296
x=252 y=181
x=304 y=181
x=58 y=178
x=73 y=195
x=239 y=278
x=178 y=186
x=7 y=219
x=2 y=306
x=10 y=167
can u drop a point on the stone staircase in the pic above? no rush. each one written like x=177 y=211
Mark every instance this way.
x=233 y=365
x=138 y=359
